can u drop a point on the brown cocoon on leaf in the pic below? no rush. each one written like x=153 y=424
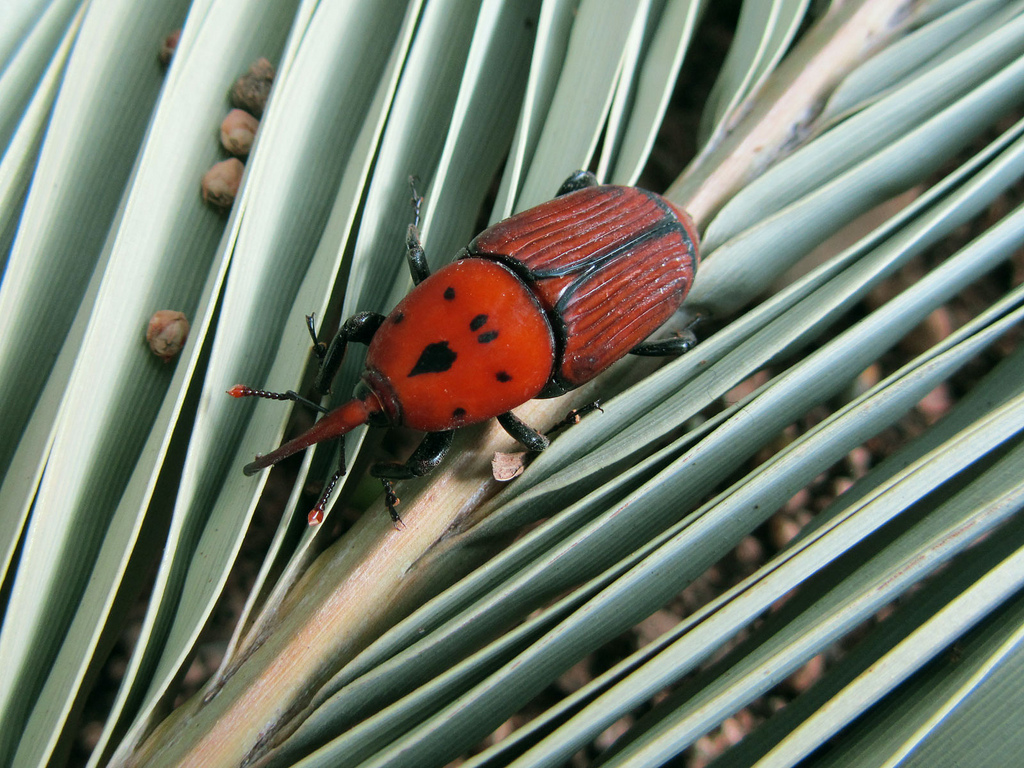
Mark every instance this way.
x=238 y=131
x=169 y=46
x=166 y=333
x=220 y=184
x=253 y=88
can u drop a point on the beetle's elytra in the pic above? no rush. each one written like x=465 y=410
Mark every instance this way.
x=534 y=306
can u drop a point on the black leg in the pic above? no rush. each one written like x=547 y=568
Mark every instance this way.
x=579 y=180
x=359 y=328
x=390 y=500
x=417 y=258
x=574 y=416
x=318 y=346
x=417 y=200
x=426 y=457
x=683 y=342
x=524 y=433
x=674 y=346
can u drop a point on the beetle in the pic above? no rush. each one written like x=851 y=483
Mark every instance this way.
x=535 y=306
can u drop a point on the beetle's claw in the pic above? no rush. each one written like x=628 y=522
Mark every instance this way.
x=390 y=500
x=574 y=416
x=417 y=200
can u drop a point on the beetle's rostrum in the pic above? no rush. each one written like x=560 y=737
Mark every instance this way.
x=535 y=306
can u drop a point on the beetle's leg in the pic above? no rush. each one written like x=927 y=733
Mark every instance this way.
x=524 y=433
x=318 y=346
x=390 y=500
x=426 y=457
x=417 y=200
x=685 y=341
x=359 y=328
x=674 y=346
x=579 y=180
x=417 y=258
x=574 y=416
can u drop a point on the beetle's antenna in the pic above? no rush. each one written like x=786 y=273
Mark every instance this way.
x=240 y=390
x=316 y=514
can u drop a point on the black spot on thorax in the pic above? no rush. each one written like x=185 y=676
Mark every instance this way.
x=435 y=358
x=485 y=338
x=449 y=293
x=477 y=322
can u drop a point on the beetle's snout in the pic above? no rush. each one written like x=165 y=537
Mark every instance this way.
x=338 y=422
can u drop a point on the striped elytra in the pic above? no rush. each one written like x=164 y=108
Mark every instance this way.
x=609 y=264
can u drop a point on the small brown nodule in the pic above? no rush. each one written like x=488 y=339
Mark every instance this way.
x=166 y=333
x=507 y=466
x=252 y=89
x=169 y=46
x=237 y=132
x=220 y=184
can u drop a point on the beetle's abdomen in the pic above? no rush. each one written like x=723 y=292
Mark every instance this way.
x=468 y=343
x=610 y=265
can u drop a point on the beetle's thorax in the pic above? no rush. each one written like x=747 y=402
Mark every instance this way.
x=468 y=343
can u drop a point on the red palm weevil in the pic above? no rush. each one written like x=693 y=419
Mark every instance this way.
x=534 y=306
